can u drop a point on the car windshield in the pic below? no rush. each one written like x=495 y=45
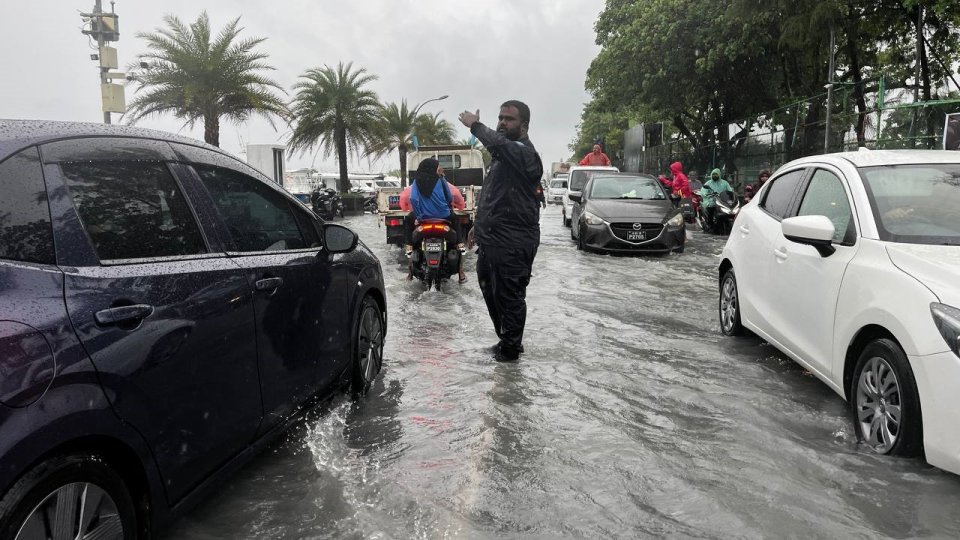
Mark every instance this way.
x=578 y=179
x=626 y=187
x=915 y=204
x=558 y=184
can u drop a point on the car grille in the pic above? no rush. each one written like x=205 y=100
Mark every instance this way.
x=621 y=230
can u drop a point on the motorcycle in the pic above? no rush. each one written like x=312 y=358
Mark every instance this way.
x=327 y=203
x=370 y=204
x=727 y=208
x=435 y=256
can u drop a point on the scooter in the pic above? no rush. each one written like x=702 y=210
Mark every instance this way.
x=435 y=256
x=727 y=208
x=327 y=203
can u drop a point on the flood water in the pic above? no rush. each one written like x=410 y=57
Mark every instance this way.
x=629 y=416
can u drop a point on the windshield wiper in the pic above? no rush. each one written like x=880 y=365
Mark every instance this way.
x=625 y=197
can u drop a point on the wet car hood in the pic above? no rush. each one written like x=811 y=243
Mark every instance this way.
x=630 y=209
x=936 y=267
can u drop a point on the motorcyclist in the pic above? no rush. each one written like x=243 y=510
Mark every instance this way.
x=430 y=196
x=711 y=188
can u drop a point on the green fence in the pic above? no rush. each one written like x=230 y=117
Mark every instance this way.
x=889 y=119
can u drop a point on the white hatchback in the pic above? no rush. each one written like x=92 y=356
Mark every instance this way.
x=850 y=264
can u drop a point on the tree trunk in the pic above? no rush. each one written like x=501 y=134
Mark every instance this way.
x=402 y=149
x=211 y=129
x=343 y=185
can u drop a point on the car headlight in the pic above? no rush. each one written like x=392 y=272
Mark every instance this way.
x=591 y=219
x=947 y=319
x=675 y=221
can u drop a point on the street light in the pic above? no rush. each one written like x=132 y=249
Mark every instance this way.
x=415 y=111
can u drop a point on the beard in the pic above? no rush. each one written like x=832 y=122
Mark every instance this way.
x=512 y=134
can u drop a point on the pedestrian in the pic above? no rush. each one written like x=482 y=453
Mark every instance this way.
x=762 y=178
x=507 y=225
x=597 y=157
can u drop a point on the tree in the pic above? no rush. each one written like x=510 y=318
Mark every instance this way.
x=194 y=78
x=430 y=129
x=394 y=131
x=334 y=109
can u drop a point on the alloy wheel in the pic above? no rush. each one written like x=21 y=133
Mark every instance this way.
x=370 y=344
x=878 y=403
x=728 y=304
x=79 y=510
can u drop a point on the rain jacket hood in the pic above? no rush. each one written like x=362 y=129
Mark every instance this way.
x=676 y=167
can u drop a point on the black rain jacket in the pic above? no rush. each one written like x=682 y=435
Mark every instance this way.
x=508 y=213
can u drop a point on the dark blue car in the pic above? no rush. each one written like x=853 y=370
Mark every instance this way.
x=165 y=310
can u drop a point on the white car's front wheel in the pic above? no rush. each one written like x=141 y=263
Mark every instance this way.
x=730 y=305
x=885 y=402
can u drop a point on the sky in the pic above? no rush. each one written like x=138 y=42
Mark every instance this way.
x=480 y=53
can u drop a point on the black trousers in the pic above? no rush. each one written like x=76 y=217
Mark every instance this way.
x=503 y=275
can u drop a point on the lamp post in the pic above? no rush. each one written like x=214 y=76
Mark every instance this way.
x=403 y=174
x=415 y=111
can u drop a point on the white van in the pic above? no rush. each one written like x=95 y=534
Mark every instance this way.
x=557 y=188
x=578 y=178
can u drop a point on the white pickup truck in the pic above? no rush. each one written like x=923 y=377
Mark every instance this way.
x=463 y=168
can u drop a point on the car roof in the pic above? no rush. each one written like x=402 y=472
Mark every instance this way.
x=874 y=158
x=593 y=168
x=624 y=173
x=16 y=135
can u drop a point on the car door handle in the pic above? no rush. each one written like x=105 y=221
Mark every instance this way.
x=123 y=314
x=269 y=284
x=744 y=229
x=780 y=253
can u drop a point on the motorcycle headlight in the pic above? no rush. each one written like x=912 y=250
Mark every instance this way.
x=675 y=221
x=947 y=319
x=724 y=209
x=592 y=219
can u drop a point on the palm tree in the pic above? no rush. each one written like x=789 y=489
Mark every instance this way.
x=431 y=129
x=394 y=131
x=194 y=78
x=335 y=111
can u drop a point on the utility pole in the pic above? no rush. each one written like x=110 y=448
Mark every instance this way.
x=104 y=27
x=826 y=131
x=916 y=77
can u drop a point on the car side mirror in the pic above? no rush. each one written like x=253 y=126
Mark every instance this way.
x=575 y=198
x=816 y=231
x=338 y=239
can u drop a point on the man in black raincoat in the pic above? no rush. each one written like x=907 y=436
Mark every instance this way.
x=507 y=225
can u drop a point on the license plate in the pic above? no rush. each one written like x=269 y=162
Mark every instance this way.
x=393 y=201
x=636 y=235
x=434 y=248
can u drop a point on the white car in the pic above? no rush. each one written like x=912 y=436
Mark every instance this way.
x=578 y=178
x=849 y=264
x=557 y=189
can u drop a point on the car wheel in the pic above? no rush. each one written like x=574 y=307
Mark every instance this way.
x=566 y=222
x=72 y=496
x=580 y=245
x=730 y=323
x=369 y=346
x=885 y=402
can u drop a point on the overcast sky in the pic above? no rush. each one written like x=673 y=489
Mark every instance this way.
x=480 y=53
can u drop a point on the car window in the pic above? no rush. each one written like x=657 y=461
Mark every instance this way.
x=578 y=179
x=259 y=218
x=25 y=230
x=916 y=204
x=132 y=210
x=780 y=193
x=308 y=227
x=825 y=196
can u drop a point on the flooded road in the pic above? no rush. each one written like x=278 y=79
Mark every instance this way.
x=629 y=416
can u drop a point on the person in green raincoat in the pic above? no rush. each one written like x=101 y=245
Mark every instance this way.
x=711 y=188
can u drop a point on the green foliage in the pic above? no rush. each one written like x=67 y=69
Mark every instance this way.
x=334 y=109
x=194 y=76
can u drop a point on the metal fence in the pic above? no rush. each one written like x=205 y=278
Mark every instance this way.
x=889 y=119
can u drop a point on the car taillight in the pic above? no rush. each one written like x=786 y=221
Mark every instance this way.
x=394 y=222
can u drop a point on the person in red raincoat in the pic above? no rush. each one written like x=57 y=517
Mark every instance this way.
x=597 y=157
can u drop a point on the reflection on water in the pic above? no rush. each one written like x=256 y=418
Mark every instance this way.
x=629 y=416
